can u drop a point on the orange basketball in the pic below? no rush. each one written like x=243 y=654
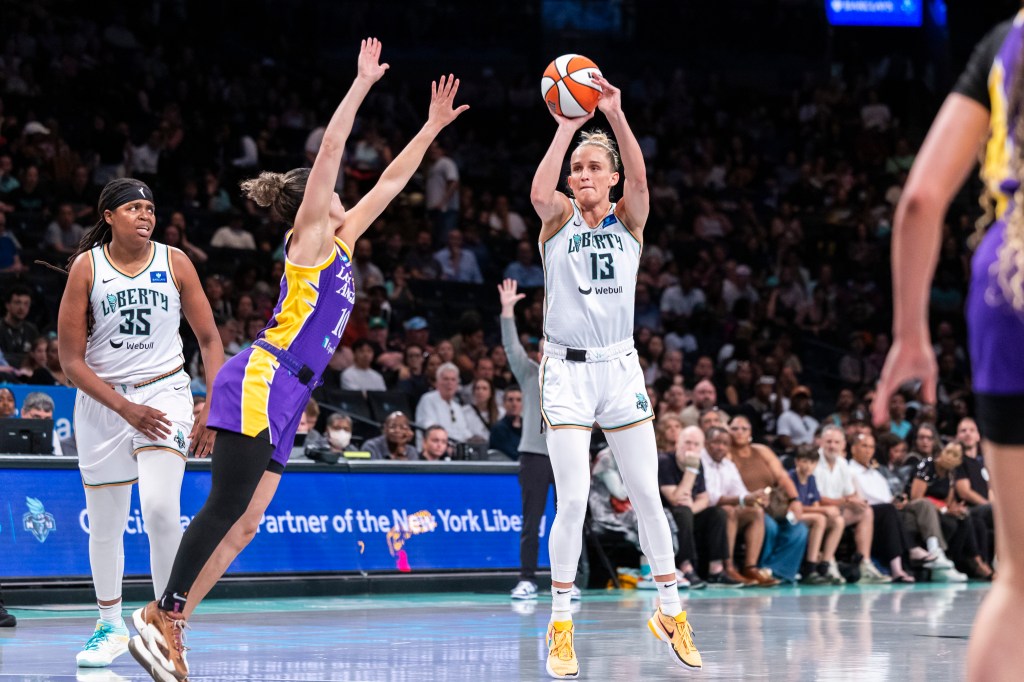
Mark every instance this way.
x=567 y=85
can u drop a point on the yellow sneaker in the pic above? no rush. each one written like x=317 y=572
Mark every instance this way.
x=562 y=663
x=679 y=635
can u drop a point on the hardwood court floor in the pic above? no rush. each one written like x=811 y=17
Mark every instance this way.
x=906 y=633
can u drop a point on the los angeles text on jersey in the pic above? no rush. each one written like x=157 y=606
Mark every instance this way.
x=134 y=297
x=597 y=241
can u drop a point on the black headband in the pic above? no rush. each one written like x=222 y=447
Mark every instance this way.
x=130 y=192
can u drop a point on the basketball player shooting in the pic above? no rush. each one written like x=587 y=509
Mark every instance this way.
x=590 y=372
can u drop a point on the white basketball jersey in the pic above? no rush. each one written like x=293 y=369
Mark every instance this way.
x=590 y=282
x=135 y=320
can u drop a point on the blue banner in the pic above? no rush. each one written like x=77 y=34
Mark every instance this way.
x=318 y=522
x=63 y=404
x=873 y=12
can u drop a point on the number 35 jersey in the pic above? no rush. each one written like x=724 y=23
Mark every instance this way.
x=135 y=319
x=590 y=282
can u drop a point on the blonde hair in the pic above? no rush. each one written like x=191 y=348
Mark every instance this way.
x=955 y=450
x=661 y=432
x=280 y=192
x=599 y=138
x=1009 y=265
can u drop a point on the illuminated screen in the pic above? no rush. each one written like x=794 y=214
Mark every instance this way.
x=873 y=12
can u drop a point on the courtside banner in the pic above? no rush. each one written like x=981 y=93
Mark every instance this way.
x=318 y=522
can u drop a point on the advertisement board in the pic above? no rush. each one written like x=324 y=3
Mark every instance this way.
x=318 y=522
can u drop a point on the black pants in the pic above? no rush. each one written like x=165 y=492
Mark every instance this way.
x=237 y=465
x=704 y=531
x=535 y=475
x=981 y=519
x=890 y=539
x=963 y=546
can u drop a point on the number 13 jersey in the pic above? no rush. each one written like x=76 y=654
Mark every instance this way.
x=135 y=319
x=590 y=282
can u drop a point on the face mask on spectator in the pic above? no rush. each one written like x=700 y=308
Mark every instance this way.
x=339 y=438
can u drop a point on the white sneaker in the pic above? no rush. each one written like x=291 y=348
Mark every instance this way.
x=948 y=575
x=939 y=563
x=525 y=590
x=834 y=575
x=869 y=574
x=107 y=643
x=576 y=594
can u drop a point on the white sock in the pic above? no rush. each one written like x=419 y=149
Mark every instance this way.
x=111 y=615
x=561 y=602
x=932 y=544
x=668 y=593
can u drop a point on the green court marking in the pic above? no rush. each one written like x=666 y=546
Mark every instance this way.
x=477 y=600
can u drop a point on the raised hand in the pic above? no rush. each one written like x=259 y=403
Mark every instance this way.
x=369 y=67
x=610 y=100
x=442 y=94
x=572 y=124
x=507 y=293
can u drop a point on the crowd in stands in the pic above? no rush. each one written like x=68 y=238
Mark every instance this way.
x=762 y=307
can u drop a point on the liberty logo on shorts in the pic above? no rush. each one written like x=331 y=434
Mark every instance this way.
x=37 y=520
x=641 y=402
x=179 y=440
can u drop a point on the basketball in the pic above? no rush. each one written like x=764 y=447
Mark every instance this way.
x=567 y=86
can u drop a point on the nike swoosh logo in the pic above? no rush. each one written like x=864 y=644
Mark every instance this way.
x=585 y=291
x=562 y=591
x=577 y=222
x=108 y=281
x=178 y=388
x=116 y=345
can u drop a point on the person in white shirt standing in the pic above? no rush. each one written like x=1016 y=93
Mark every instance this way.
x=590 y=248
x=835 y=483
x=442 y=191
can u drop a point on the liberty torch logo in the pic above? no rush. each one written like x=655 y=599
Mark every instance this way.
x=641 y=402
x=37 y=520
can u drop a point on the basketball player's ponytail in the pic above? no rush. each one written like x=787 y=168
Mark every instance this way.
x=280 y=192
x=1011 y=254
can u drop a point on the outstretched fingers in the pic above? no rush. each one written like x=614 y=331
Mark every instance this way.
x=602 y=83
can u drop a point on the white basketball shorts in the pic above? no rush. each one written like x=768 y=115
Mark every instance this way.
x=610 y=392
x=108 y=445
